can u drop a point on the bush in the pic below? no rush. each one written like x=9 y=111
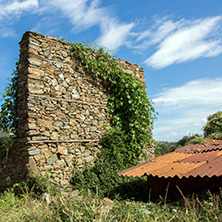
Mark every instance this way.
x=6 y=143
x=162 y=148
x=214 y=125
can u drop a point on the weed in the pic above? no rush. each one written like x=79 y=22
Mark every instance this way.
x=92 y=207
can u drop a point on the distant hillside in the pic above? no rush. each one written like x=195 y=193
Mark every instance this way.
x=165 y=143
x=163 y=147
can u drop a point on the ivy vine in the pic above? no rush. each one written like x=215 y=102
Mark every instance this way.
x=131 y=114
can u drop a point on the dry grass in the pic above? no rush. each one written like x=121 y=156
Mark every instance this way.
x=27 y=206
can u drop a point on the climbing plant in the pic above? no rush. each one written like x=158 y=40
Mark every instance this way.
x=131 y=114
x=130 y=110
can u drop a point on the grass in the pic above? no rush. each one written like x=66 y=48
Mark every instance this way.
x=29 y=205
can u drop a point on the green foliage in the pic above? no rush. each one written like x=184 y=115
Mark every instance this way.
x=6 y=144
x=213 y=130
x=131 y=117
x=217 y=136
x=214 y=125
x=9 y=107
x=195 y=139
x=128 y=104
x=35 y=185
x=162 y=148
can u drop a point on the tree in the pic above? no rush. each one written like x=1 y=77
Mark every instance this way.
x=9 y=107
x=213 y=127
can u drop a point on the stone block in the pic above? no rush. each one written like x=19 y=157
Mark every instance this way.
x=88 y=159
x=36 y=72
x=38 y=138
x=93 y=128
x=32 y=165
x=59 y=164
x=34 y=152
x=39 y=157
x=66 y=169
x=75 y=94
x=52 y=159
x=33 y=133
x=54 y=136
x=35 y=62
x=94 y=122
x=36 y=91
x=48 y=154
x=87 y=153
x=62 y=150
x=46 y=133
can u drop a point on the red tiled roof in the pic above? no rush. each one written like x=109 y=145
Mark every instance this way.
x=191 y=160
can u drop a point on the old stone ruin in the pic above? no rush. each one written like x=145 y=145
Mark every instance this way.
x=62 y=112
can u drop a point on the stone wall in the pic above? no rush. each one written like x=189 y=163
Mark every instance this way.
x=62 y=112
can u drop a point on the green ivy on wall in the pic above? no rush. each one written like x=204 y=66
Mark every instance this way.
x=131 y=113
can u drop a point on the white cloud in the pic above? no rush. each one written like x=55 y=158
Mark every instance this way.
x=16 y=8
x=114 y=34
x=186 y=107
x=85 y=14
x=197 y=92
x=7 y=32
x=82 y=13
x=157 y=32
x=48 y=24
x=185 y=41
x=183 y=124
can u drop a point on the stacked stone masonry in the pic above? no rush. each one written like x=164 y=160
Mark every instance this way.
x=62 y=111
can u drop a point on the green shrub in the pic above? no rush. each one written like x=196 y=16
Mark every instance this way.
x=162 y=148
x=214 y=125
x=195 y=139
x=6 y=143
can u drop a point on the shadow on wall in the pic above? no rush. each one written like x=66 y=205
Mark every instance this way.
x=13 y=166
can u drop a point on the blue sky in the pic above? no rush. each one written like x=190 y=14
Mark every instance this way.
x=178 y=42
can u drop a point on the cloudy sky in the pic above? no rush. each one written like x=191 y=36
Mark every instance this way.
x=179 y=44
